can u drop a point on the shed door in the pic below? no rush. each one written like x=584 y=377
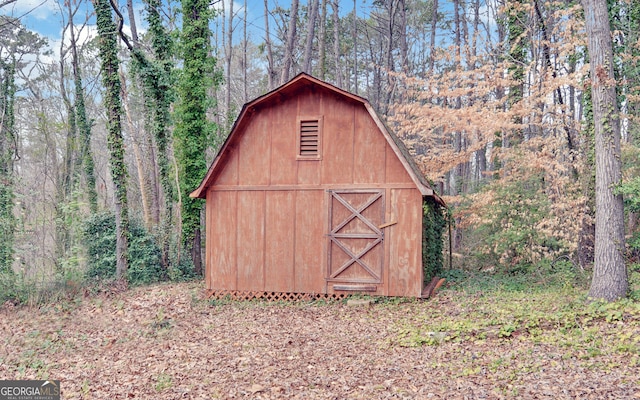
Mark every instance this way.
x=355 y=240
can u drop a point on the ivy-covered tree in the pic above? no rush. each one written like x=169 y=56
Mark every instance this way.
x=108 y=50
x=8 y=148
x=192 y=127
x=162 y=94
x=16 y=42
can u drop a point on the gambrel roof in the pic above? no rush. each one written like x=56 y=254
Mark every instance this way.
x=286 y=91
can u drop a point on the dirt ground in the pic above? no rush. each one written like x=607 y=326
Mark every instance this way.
x=166 y=342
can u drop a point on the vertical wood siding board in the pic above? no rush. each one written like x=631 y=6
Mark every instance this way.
x=309 y=234
x=416 y=206
x=325 y=244
x=283 y=163
x=237 y=233
x=396 y=172
x=406 y=244
x=250 y=256
x=279 y=264
x=388 y=237
x=297 y=164
x=353 y=143
x=228 y=173
x=337 y=159
x=329 y=227
x=295 y=244
x=222 y=240
x=398 y=280
x=383 y=245
x=207 y=247
x=269 y=128
x=370 y=149
x=253 y=155
x=264 y=239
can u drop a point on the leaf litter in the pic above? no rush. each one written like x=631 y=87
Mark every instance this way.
x=166 y=342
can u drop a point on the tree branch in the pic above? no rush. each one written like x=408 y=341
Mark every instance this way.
x=124 y=37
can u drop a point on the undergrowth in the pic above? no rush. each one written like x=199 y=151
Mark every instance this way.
x=549 y=310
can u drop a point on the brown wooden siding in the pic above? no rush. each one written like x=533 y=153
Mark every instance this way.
x=250 y=240
x=369 y=157
x=309 y=234
x=405 y=245
x=280 y=241
x=222 y=238
x=268 y=213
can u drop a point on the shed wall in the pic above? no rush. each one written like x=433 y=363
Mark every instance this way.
x=267 y=212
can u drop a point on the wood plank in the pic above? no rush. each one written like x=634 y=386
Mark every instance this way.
x=310 y=101
x=283 y=144
x=337 y=157
x=369 y=150
x=405 y=243
x=251 y=236
x=309 y=237
x=355 y=288
x=309 y=172
x=221 y=240
x=279 y=247
x=228 y=173
x=395 y=171
x=254 y=146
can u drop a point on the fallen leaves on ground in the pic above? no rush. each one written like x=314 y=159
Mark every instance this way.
x=165 y=342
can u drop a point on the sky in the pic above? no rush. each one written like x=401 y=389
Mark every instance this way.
x=45 y=16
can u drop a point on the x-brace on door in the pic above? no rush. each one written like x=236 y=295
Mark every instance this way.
x=356 y=242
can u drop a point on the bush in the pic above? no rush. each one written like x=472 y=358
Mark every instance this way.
x=434 y=222
x=514 y=227
x=99 y=236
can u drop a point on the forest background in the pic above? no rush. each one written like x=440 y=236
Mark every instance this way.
x=492 y=97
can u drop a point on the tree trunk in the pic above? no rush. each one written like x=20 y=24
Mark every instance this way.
x=192 y=127
x=132 y=21
x=609 y=272
x=245 y=95
x=291 y=43
x=354 y=37
x=228 y=56
x=311 y=26
x=271 y=74
x=432 y=39
x=322 y=40
x=150 y=218
x=108 y=50
x=8 y=151
x=336 y=41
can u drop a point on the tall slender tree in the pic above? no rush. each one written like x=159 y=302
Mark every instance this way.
x=192 y=127
x=8 y=149
x=609 y=271
x=110 y=64
x=290 y=45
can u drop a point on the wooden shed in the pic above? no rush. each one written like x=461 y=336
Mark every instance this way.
x=311 y=194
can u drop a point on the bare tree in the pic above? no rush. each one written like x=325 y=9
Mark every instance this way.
x=311 y=26
x=291 y=42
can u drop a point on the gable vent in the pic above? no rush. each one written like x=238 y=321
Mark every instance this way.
x=309 y=145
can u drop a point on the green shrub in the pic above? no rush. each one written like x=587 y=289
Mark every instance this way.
x=520 y=226
x=99 y=238
x=434 y=221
